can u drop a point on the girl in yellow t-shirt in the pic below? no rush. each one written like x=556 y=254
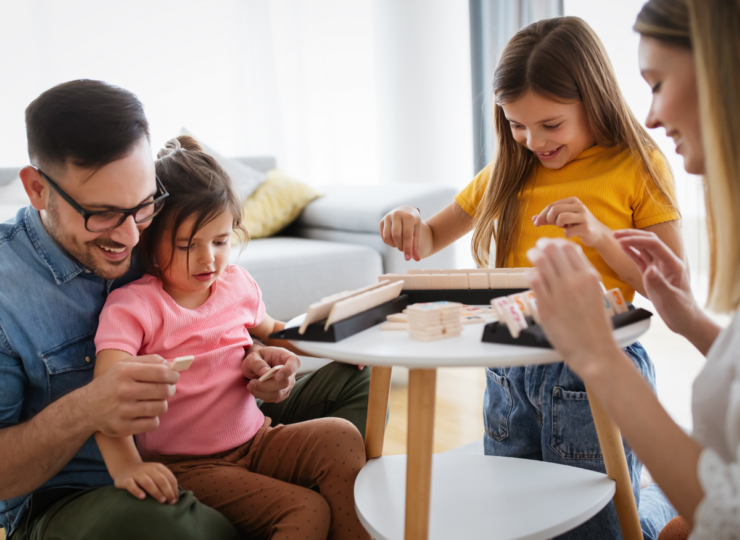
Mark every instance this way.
x=571 y=161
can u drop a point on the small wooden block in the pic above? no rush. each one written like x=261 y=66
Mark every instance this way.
x=270 y=374
x=435 y=271
x=519 y=300
x=617 y=300
x=498 y=281
x=608 y=306
x=182 y=363
x=422 y=282
x=497 y=270
x=397 y=317
x=501 y=304
x=394 y=326
x=440 y=281
x=515 y=320
x=478 y=281
x=531 y=300
x=414 y=271
x=518 y=281
x=391 y=278
x=458 y=281
x=362 y=302
x=323 y=308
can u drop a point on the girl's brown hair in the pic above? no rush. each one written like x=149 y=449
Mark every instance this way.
x=197 y=186
x=561 y=59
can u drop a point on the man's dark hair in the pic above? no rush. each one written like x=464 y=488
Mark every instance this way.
x=88 y=123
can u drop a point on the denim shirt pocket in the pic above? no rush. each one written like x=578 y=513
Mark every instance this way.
x=497 y=405
x=69 y=366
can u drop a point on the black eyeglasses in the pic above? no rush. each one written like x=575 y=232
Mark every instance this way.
x=107 y=220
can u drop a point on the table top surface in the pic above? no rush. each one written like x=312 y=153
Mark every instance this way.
x=376 y=347
x=483 y=497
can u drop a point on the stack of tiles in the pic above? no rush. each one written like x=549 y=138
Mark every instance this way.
x=434 y=320
x=476 y=278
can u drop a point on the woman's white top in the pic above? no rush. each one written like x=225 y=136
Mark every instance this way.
x=716 y=411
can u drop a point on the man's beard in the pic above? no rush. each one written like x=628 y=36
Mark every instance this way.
x=85 y=253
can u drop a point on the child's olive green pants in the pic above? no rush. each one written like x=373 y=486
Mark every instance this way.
x=107 y=513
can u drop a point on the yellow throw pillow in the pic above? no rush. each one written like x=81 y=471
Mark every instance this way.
x=275 y=204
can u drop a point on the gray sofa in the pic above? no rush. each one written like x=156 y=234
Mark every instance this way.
x=333 y=246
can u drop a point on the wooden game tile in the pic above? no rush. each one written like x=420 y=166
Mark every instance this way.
x=478 y=281
x=391 y=278
x=269 y=374
x=472 y=319
x=440 y=281
x=428 y=271
x=458 y=281
x=414 y=271
x=518 y=281
x=321 y=309
x=397 y=317
x=617 y=301
x=519 y=299
x=498 y=281
x=394 y=326
x=515 y=320
x=362 y=302
x=531 y=301
x=182 y=363
x=608 y=306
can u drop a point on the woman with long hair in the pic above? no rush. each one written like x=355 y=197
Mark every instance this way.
x=695 y=80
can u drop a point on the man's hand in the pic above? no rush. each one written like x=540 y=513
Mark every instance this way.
x=128 y=398
x=259 y=360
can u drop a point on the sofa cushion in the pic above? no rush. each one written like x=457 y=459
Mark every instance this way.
x=360 y=208
x=275 y=204
x=293 y=272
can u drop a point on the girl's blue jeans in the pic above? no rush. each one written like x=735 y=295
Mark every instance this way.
x=542 y=412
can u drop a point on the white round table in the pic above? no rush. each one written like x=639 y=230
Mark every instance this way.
x=462 y=482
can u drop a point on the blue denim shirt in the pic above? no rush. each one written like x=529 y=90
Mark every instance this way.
x=49 y=308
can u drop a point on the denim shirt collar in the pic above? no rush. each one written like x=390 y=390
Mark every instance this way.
x=62 y=266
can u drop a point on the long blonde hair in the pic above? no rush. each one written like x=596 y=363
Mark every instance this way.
x=715 y=26
x=562 y=59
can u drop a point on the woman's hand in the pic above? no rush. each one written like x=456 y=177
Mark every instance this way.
x=259 y=360
x=575 y=219
x=401 y=229
x=667 y=284
x=152 y=478
x=571 y=304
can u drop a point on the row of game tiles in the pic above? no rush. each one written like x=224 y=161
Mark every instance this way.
x=451 y=279
x=513 y=309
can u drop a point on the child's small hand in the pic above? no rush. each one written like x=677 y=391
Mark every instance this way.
x=152 y=478
x=401 y=228
x=575 y=219
x=259 y=360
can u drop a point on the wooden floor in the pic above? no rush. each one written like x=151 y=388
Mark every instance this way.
x=458 y=415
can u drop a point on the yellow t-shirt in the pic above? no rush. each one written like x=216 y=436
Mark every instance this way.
x=609 y=181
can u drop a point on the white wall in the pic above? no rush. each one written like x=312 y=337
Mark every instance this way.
x=337 y=90
x=424 y=91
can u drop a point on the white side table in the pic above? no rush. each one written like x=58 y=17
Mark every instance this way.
x=382 y=350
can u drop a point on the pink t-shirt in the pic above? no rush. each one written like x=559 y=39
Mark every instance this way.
x=212 y=410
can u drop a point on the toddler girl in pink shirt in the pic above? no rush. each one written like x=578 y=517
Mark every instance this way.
x=213 y=439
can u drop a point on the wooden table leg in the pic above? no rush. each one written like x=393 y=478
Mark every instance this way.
x=422 y=390
x=610 y=440
x=377 y=410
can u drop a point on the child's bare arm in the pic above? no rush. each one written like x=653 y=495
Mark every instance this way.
x=403 y=228
x=122 y=458
x=269 y=325
x=576 y=220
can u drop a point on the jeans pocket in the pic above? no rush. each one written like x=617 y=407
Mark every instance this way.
x=573 y=431
x=497 y=405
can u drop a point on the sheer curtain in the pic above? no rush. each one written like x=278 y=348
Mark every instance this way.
x=287 y=78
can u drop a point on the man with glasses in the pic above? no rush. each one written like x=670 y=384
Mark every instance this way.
x=93 y=190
